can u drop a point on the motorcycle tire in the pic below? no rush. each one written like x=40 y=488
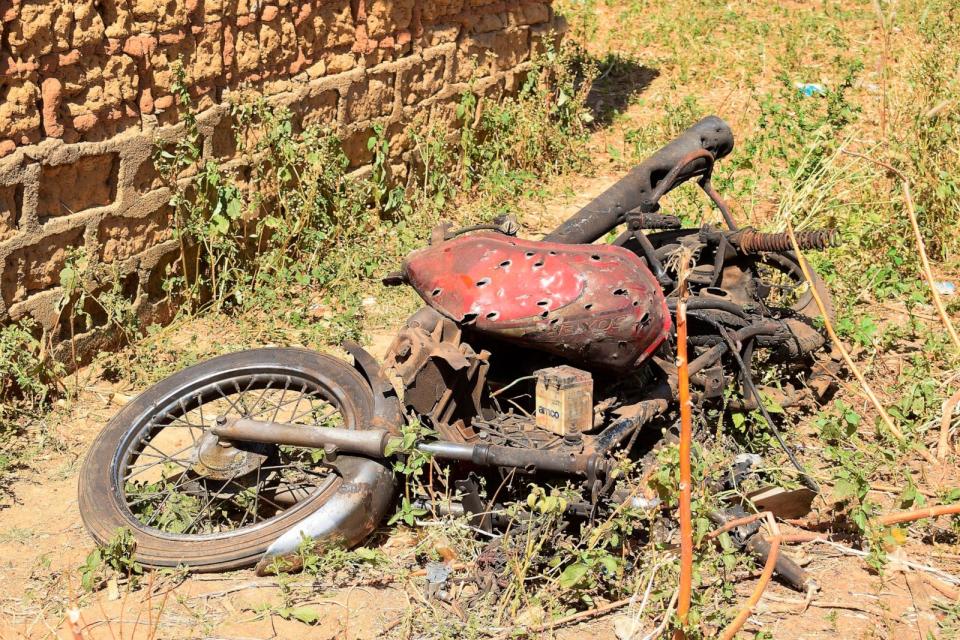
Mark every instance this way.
x=105 y=478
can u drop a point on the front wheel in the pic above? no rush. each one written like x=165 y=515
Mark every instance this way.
x=191 y=499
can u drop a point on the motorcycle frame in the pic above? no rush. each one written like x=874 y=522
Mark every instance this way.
x=634 y=200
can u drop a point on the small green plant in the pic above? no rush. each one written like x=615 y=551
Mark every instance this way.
x=540 y=132
x=26 y=373
x=28 y=379
x=115 y=558
x=410 y=463
x=318 y=561
x=84 y=292
x=389 y=199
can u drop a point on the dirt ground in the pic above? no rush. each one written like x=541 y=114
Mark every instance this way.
x=42 y=539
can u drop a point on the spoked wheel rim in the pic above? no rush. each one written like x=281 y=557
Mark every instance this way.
x=175 y=479
x=785 y=283
x=782 y=288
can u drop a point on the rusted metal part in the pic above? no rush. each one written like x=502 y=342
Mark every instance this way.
x=637 y=219
x=558 y=461
x=750 y=240
x=754 y=542
x=627 y=425
x=698 y=157
x=218 y=460
x=444 y=378
x=721 y=204
x=713 y=355
x=374 y=443
x=595 y=305
x=367 y=442
x=386 y=406
x=665 y=184
x=634 y=190
x=650 y=255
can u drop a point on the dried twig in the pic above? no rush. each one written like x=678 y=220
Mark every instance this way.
x=823 y=604
x=925 y=263
x=887 y=420
x=744 y=613
x=943 y=446
x=850 y=551
x=658 y=632
x=945 y=589
x=886 y=520
x=560 y=622
x=884 y=55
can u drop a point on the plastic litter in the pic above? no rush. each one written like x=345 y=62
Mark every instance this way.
x=810 y=89
x=945 y=288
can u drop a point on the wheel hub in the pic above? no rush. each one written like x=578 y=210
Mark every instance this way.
x=220 y=460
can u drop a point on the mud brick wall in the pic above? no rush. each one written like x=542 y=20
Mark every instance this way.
x=85 y=95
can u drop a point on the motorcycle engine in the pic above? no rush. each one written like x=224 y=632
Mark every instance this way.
x=444 y=380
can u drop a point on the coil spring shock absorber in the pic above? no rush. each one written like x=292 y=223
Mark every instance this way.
x=752 y=241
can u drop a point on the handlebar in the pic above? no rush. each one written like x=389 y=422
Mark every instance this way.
x=643 y=186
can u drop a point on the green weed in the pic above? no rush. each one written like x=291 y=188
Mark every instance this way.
x=112 y=560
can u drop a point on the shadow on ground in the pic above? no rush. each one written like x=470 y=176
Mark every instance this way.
x=618 y=82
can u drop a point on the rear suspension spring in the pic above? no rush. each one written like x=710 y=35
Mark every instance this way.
x=753 y=241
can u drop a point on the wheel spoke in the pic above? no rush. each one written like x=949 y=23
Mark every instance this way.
x=270 y=502
x=256 y=404
x=208 y=503
x=170 y=492
x=169 y=456
x=256 y=502
x=184 y=409
x=149 y=465
x=224 y=396
x=182 y=497
x=286 y=386
x=333 y=410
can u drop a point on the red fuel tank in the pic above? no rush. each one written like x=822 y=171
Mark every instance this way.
x=593 y=304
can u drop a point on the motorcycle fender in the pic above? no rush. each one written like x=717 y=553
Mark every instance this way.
x=352 y=513
x=367 y=486
x=386 y=405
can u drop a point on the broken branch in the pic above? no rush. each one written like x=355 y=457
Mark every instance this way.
x=887 y=420
x=919 y=514
x=734 y=626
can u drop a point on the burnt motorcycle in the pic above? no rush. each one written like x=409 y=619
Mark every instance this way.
x=541 y=360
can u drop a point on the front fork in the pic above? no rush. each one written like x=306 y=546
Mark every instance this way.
x=358 y=506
